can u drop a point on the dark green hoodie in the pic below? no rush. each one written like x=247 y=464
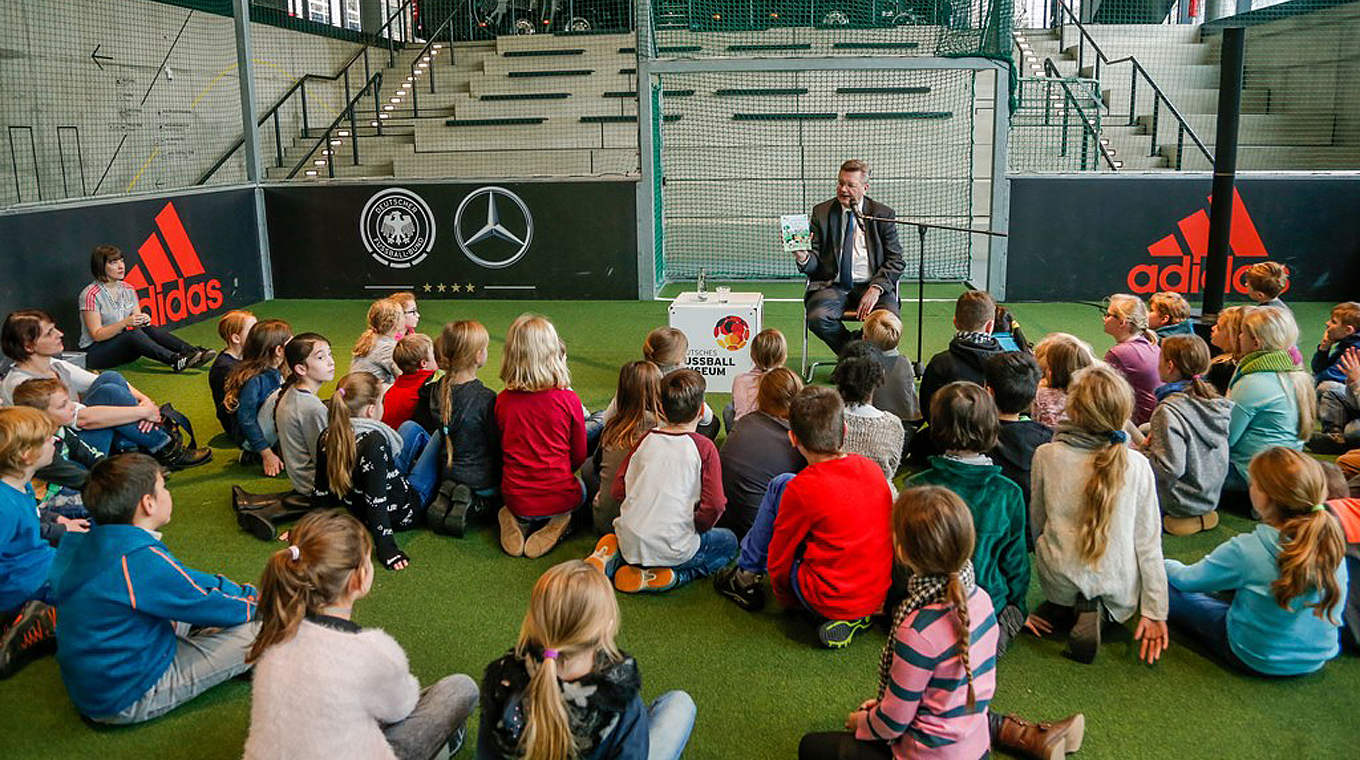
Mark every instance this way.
x=999 y=557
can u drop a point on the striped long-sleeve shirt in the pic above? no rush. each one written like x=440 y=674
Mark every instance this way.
x=924 y=712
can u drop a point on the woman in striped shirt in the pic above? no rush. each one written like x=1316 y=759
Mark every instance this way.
x=938 y=670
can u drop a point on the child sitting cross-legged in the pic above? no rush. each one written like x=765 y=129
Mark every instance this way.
x=1013 y=379
x=768 y=351
x=670 y=493
x=869 y=431
x=1223 y=336
x=27 y=623
x=1187 y=442
x=668 y=348
x=823 y=534
x=1060 y=356
x=60 y=508
x=385 y=477
x=567 y=691
x=1287 y=578
x=637 y=410
x=459 y=411
x=897 y=394
x=232 y=327
x=323 y=686
x=963 y=423
x=1098 y=545
x=252 y=380
x=1169 y=314
x=373 y=351
x=757 y=449
x=1338 y=353
x=141 y=633
x=937 y=673
x=1135 y=351
x=414 y=357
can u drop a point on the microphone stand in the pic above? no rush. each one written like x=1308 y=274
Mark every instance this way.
x=921 y=229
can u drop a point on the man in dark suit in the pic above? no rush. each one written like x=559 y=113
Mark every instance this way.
x=852 y=264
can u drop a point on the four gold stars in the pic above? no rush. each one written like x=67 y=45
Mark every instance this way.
x=456 y=287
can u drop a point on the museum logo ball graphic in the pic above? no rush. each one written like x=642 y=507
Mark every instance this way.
x=731 y=332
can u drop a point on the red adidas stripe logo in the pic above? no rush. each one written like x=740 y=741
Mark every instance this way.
x=153 y=253
x=1189 y=244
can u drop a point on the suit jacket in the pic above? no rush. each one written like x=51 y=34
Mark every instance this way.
x=885 y=251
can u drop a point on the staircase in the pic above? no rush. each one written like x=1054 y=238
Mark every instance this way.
x=1186 y=67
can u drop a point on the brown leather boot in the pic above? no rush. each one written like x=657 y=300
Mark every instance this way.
x=1046 y=741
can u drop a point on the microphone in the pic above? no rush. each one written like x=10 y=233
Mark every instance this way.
x=854 y=211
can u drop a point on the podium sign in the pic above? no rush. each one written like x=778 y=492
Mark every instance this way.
x=719 y=332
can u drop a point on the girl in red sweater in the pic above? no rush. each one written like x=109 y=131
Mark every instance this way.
x=543 y=439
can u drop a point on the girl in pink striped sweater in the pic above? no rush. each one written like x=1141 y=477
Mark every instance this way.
x=938 y=670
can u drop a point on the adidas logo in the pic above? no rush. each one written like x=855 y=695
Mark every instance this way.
x=175 y=290
x=1186 y=248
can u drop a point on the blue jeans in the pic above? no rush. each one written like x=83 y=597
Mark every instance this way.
x=755 y=546
x=670 y=719
x=419 y=459
x=110 y=389
x=717 y=547
x=1205 y=618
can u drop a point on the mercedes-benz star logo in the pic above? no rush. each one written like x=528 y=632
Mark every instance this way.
x=494 y=229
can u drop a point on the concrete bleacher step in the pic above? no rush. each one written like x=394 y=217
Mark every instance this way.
x=1188 y=101
x=718 y=130
x=1255 y=129
x=552 y=133
x=595 y=42
x=515 y=164
x=924 y=197
x=888 y=160
x=1265 y=157
x=549 y=67
x=484 y=84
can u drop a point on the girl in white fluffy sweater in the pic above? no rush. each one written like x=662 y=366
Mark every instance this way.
x=324 y=687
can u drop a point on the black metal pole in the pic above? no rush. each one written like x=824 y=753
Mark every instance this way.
x=1225 y=168
x=920 y=294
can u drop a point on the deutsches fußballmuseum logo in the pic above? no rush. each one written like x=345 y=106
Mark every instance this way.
x=397 y=228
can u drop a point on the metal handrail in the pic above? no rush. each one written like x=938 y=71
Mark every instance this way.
x=1051 y=70
x=1159 y=96
x=300 y=85
x=374 y=82
x=429 y=45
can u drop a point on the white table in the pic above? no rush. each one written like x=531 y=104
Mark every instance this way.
x=719 y=332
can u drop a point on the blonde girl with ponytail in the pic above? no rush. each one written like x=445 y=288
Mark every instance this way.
x=937 y=673
x=1135 y=351
x=1098 y=545
x=1287 y=576
x=1274 y=401
x=326 y=688
x=567 y=691
x=373 y=351
x=385 y=477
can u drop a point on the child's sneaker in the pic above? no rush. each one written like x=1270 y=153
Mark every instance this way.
x=1189 y=526
x=32 y=634
x=544 y=539
x=606 y=557
x=1084 y=640
x=837 y=634
x=741 y=587
x=512 y=537
x=630 y=579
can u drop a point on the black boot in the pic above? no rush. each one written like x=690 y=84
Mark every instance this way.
x=177 y=455
x=260 y=521
x=243 y=499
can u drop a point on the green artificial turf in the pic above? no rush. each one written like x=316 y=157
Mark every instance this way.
x=758 y=679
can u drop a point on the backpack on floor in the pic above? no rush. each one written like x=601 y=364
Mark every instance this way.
x=178 y=426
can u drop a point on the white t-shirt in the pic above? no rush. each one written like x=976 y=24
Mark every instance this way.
x=76 y=379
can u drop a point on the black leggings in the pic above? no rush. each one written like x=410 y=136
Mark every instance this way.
x=127 y=346
x=840 y=745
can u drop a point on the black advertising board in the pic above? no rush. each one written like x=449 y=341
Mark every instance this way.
x=189 y=256
x=559 y=240
x=1081 y=237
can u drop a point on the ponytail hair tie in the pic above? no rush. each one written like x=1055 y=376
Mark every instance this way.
x=1319 y=508
x=340 y=392
x=1118 y=436
x=550 y=654
x=295 y=552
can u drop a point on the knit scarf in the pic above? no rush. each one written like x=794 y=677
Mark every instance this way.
x=1080 y=438
x=1267 y=361
x=921 y=591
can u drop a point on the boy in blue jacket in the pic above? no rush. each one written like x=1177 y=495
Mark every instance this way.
x=128 y=611
x=1333 y=365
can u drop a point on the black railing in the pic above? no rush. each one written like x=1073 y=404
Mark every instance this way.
x=79 y=159
x=327 y=142
x=426 y=56
x=299 y=88
x=14 y=159
x=1072 y=102
x=1159 y=97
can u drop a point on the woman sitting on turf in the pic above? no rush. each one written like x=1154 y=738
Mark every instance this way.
x=567 y=691
x=386 y=478
x=113 y=415
x=113 y=328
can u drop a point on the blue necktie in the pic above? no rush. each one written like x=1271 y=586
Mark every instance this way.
x=848 y=250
